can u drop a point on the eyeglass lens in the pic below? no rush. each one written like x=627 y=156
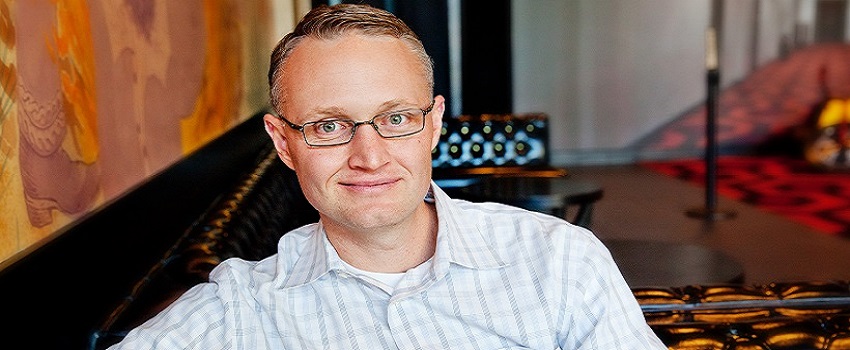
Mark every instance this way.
x=389 y=125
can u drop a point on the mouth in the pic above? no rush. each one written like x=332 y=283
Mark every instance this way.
x=369 y=185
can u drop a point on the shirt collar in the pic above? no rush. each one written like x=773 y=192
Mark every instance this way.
x=459 y=241
x=317 y=259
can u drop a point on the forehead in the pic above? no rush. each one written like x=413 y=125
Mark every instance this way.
x=350 y=68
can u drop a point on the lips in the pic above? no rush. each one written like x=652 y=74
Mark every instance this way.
x=367 y=184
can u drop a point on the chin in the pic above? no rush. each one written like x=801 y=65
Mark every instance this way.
x=374 y=218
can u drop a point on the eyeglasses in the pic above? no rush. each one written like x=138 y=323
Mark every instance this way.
x=338 y=131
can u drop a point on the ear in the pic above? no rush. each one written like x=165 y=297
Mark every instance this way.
x=274 y=128
x=437 y=119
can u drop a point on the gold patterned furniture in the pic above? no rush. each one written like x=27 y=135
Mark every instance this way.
x=800 y=315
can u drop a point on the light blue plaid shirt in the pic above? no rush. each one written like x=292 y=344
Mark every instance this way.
x=501 y=278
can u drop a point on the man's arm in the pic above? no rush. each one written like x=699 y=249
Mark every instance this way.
x=194 y=321
x=603 y=311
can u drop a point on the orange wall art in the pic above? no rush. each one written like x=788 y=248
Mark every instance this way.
x=96 y=96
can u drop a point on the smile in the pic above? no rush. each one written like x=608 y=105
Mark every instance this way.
x=367 y=185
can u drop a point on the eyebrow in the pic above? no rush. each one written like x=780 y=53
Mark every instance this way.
x=397 y=104
x=329 y=111
x=383 y=107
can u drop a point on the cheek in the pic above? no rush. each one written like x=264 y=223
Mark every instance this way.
x=311 y=167
x=312 y=178
x=419 y=159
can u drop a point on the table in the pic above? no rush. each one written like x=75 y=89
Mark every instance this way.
x=548 y=194
x=642 y=263
x=655 y=263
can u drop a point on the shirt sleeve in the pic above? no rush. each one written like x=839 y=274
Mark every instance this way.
x=196 y=320
x=603 y=313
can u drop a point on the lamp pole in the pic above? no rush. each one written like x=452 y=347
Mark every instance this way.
x=710 y=212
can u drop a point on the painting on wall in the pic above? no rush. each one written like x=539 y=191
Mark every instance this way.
x=97 y=96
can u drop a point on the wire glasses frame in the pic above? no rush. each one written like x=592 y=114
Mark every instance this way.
x=339 y=131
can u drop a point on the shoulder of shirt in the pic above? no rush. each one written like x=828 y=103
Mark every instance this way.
x=290 y=247
x=472 y=212
x=512 y=224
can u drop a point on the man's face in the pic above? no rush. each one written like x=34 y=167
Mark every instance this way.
x=370 y=182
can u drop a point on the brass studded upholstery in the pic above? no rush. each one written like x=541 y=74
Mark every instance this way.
x=246 y=221
x=800 y=315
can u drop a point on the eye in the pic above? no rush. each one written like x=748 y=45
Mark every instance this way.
x=329 y=128
x=397 y=119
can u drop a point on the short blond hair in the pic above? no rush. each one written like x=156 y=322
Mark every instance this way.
x=329 y=22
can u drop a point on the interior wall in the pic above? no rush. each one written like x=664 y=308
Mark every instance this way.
x=609 y=72
x=545 y=38
x=776 y=28
x=737 y=43
x=804 y=33
x=831 y=21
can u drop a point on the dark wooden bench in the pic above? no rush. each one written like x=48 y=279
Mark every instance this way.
x=59 y=290
x=245 y=222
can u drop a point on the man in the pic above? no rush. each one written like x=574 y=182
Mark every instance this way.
x=393 y=262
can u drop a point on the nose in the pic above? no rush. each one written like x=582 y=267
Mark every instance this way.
x=367 y=149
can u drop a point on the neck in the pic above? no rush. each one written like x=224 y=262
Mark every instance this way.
x=388 y=249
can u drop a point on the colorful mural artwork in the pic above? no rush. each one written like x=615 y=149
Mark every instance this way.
x=9 y=179
x=218 y=100
x=96 y=96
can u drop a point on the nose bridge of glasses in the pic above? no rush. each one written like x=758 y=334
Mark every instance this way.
x=371 y=122
x=357 y=125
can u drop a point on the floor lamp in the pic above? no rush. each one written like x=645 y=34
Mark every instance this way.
x=710 y=212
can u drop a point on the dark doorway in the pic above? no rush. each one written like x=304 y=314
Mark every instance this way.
x=830 y=21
